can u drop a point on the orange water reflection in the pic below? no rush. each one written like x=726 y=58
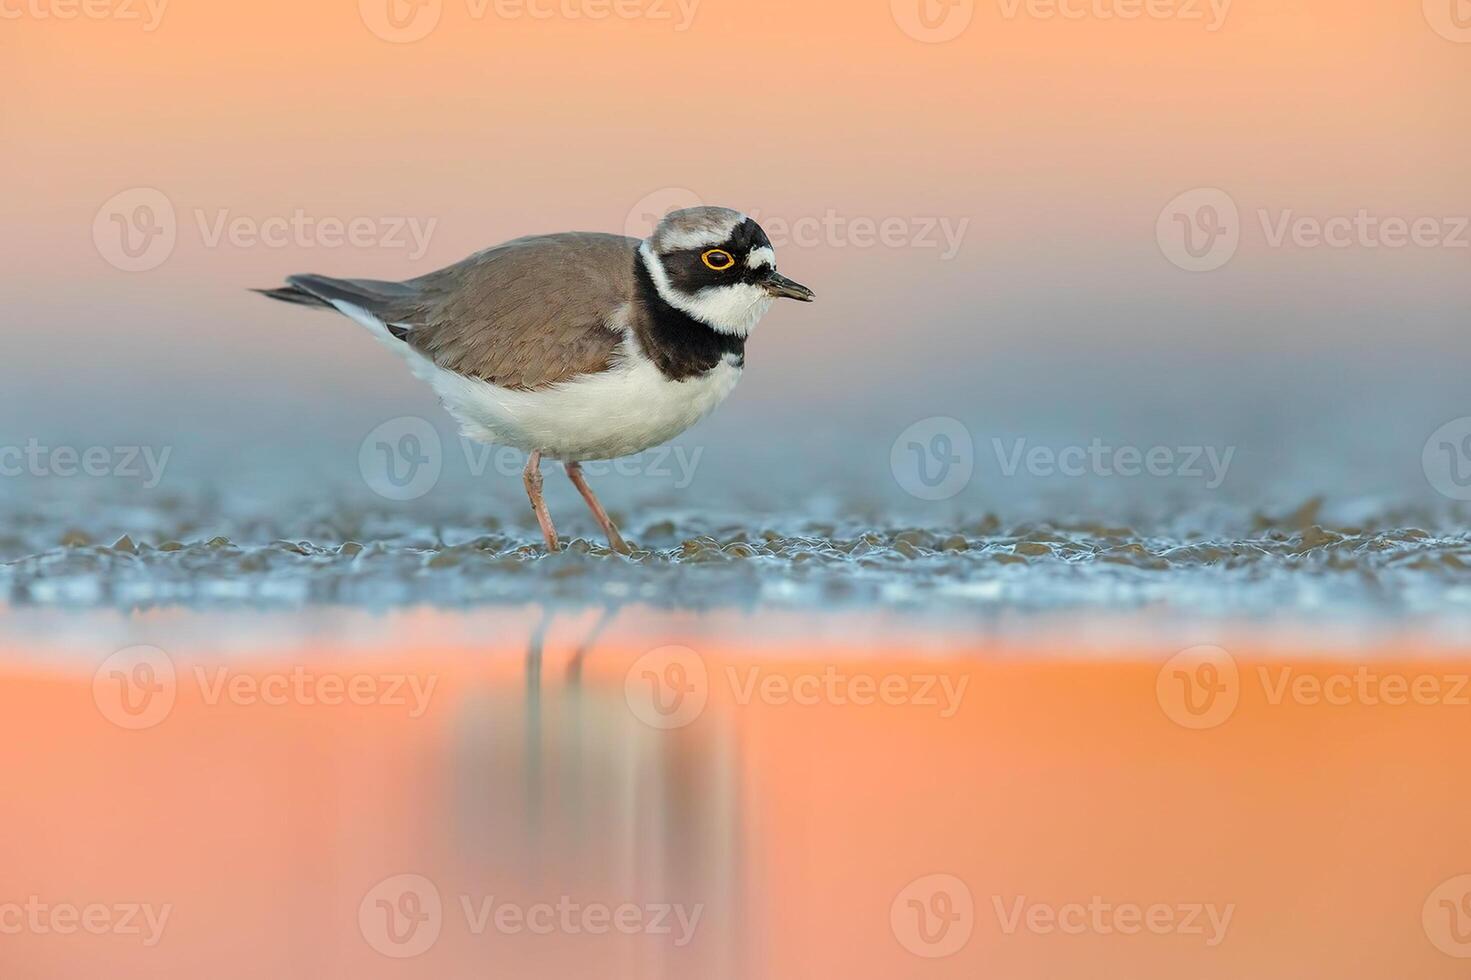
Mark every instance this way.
x=777 y=807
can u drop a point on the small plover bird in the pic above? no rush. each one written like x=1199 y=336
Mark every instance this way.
x=577 y=346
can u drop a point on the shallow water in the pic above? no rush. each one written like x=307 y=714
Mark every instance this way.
x=1301 y=562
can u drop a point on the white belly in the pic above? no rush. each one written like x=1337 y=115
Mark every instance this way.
x=623 y=411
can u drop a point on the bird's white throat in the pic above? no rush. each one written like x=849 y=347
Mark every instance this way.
x=734 y=309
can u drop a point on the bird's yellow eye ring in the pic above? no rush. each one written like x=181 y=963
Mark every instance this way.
x=718 y=259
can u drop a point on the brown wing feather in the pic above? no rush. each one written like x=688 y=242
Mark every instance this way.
x=527 y=314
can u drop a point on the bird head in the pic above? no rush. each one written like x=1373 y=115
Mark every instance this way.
x=717 y=266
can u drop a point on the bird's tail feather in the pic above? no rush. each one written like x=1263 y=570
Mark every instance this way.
x=290 y=294
x=380 y=299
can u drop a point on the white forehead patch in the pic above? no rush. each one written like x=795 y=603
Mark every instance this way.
x=761 y=258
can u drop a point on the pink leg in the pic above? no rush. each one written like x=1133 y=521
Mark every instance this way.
x=615 y=540
x=532 y=478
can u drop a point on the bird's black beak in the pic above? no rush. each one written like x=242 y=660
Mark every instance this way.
x=781 y=287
